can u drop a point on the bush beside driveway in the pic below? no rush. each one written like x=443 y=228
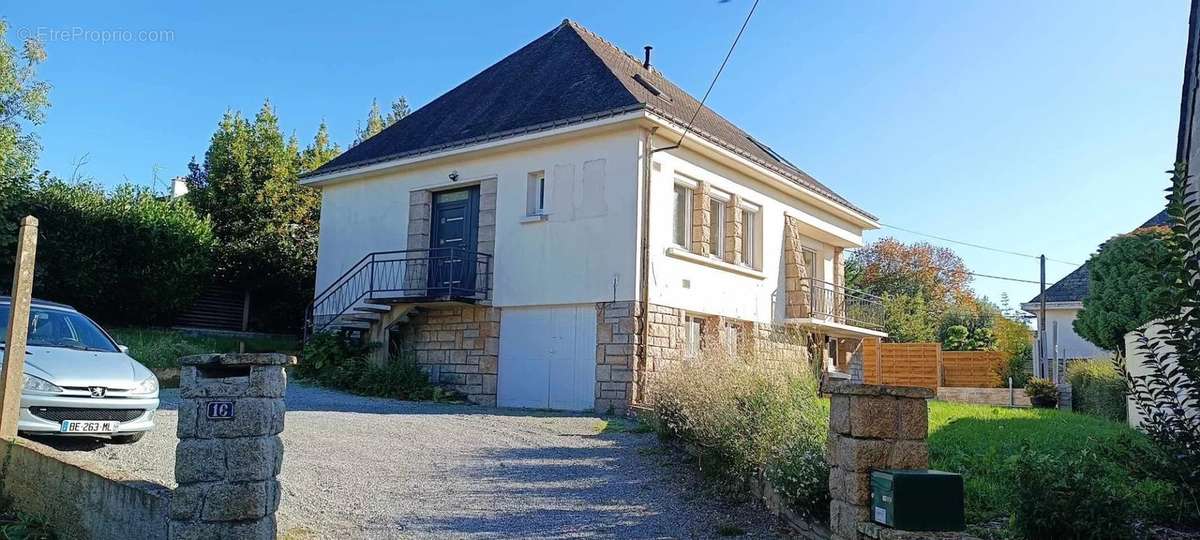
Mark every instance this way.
x=359 y=467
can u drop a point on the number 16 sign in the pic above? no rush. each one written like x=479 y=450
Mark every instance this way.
x=220 y=409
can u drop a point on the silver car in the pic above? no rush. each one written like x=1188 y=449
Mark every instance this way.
x=78 y=380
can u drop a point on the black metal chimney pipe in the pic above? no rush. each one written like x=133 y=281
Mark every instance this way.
x=646 y=62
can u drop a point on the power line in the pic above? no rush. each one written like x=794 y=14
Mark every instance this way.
x=990 y=276
x=979 y=246
x=732 y=46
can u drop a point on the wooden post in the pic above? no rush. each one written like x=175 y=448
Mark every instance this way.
x=12 y=378
x=941 y=375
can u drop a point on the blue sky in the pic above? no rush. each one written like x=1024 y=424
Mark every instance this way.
x=1026 y=125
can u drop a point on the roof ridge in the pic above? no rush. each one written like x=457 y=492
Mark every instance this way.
x=630 y=57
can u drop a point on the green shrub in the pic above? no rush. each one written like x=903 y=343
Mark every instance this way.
x=1097 y=389
x=1042 y=392
x=337 y=361
x=745 y=416
x=122 y=257
x=1068 y=496
x=801 y=476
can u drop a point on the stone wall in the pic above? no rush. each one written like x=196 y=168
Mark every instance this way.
x=985 y=396
x=621 y=381
x=618 y=378
x=457 y=345
x=77 y=501
x=870 y=427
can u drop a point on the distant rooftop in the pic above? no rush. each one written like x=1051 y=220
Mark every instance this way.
x=1074 y=286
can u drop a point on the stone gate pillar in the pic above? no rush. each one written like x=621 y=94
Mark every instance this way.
x=870 y=427
x=229 y=453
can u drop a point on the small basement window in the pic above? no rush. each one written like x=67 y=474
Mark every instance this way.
x=694 y=329
x=535 y=195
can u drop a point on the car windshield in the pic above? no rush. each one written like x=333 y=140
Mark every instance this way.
x=56 y=328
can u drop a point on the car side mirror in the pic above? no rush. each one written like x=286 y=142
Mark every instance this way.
x=123 y=348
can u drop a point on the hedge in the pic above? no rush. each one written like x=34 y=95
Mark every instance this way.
x=1097 y=389
x=123 y=256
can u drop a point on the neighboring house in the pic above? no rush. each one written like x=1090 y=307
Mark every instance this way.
x=534 y=238
x=1064 y=299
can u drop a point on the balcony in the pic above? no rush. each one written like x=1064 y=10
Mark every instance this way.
x=386 y=278
x=840 y=310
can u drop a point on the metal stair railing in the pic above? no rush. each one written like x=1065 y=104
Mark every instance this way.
x=432 y=274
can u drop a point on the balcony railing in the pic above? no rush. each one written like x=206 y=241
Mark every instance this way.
x=414 y=275
x=836 y=303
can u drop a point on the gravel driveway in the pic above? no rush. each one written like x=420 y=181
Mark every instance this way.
x=358 y=467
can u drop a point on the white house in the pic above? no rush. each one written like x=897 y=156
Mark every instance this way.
x=1064 y=300
x=536 y=237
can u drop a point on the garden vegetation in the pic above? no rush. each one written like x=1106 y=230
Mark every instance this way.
x=746 y=417
x=335 y=360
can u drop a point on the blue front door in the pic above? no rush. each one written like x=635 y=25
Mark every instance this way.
x=452 y=242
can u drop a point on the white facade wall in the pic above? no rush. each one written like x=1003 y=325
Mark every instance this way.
x=583 y=252
x=1070 y=344
x=701 y=288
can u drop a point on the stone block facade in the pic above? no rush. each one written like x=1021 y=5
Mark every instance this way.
x=621 y=380
x=457 y=345
x=733 y=230
x=420 y=219
x=701 y=220
x=796 y=294
x=617 y=330
x=870 y=427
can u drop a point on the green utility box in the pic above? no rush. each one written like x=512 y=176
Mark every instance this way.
x=918 y=500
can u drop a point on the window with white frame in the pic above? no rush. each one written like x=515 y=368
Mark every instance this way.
x=750 y=232
x=716 y=229
x=535 y=194
x=810 y=262
x=732 y=337
x=694 y=333
x=682 y=215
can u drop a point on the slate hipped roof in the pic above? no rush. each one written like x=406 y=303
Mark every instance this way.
x=567 y=76
x=1074 y=286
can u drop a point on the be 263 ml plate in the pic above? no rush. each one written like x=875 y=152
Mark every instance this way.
x=88 y=426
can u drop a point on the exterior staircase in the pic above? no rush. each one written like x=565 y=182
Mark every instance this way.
x=384 y=288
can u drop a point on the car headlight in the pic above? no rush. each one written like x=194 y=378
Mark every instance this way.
x=148 y=386
x=39 y=385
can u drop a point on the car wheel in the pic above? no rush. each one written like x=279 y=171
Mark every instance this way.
x=128 y=439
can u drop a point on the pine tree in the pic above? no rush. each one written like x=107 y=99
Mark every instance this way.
x=319 y=152
x=375 y=124
x=399 y=110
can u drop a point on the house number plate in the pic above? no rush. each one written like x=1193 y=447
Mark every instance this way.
x=220 y=409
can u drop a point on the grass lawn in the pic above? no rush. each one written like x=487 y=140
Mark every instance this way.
x=161 y=348
x=981 y=442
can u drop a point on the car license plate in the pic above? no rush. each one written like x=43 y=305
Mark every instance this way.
x=85 y=426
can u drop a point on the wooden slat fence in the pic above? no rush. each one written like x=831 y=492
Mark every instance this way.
x=925 y=364
x=971 y=369
x=902 y=364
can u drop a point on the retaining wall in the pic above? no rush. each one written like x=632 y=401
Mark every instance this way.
x=984 y=396
x=77 y=502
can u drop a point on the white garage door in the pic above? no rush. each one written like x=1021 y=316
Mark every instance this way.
x=548 y=357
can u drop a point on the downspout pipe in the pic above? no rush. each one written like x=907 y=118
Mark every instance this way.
x=644 y=268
